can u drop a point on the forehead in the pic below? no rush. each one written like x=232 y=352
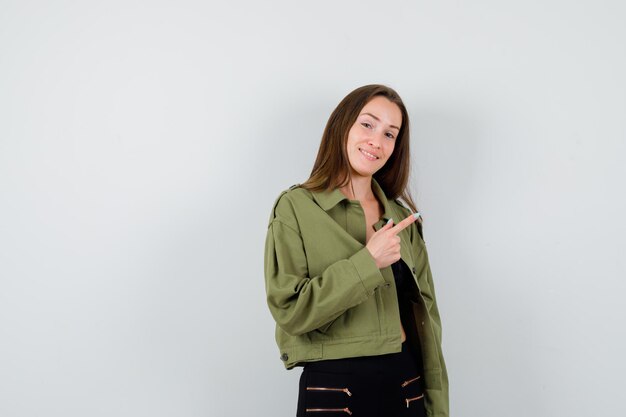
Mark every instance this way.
x=389 y=113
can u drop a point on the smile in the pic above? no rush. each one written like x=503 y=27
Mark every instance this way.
x=369 y=155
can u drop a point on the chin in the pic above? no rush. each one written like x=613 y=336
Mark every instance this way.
x=363 y=173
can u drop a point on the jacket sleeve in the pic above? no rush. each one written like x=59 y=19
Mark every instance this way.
x=301 y=303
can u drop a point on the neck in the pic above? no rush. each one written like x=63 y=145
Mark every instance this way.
x=359 y=188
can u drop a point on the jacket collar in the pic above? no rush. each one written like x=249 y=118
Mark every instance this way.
x=329 y=199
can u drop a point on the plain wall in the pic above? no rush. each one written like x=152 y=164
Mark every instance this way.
x=142 y=145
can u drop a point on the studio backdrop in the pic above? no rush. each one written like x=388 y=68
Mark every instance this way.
x=142 y=145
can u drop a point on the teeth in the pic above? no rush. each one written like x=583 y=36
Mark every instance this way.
x=368 y=154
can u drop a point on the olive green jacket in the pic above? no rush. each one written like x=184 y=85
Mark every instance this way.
x=327 y=296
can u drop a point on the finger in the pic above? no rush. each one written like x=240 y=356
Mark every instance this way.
x=404 y=224
x=387 y=225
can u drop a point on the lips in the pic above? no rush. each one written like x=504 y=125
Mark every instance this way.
x=368 y=155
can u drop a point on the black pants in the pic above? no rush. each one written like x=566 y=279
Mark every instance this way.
x=369 y=386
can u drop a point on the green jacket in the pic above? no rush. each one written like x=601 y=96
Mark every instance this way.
x=327 y=296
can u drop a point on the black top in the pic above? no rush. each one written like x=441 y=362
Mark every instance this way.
x=406 y=289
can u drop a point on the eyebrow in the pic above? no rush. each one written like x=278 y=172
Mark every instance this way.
x=377 y=119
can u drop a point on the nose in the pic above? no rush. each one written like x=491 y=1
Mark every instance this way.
x=374 y=141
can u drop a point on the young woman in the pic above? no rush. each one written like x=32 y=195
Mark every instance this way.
x=350 y=289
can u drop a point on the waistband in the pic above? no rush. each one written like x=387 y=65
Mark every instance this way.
x=366 y=365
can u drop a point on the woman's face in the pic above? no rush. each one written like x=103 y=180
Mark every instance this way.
x=372 y=137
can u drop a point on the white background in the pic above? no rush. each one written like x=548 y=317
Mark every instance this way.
x=143 y=143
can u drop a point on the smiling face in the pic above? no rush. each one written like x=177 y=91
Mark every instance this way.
x=372 y=137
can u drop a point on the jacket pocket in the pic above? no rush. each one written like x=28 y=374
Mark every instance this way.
x=324 y=328
x=361 y=320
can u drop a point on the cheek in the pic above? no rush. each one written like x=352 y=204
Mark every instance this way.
x=389 y=149
x=352 y=137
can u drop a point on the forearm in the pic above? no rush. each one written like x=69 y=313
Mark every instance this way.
x=301 y=303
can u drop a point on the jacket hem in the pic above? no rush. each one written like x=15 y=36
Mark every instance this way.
x=338 y=349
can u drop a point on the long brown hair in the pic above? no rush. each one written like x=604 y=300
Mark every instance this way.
x=332 y=167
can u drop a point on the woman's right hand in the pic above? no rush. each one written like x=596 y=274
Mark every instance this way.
x=384 y=245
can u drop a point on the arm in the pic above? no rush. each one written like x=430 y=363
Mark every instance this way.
x=301 y=303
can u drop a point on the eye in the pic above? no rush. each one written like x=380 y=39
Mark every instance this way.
x=366 y=125
x=390 y=135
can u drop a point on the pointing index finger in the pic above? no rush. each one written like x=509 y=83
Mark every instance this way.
x=403 y=224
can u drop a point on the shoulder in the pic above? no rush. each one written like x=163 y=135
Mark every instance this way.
x=398 y=205
x=293 y=197
x=289 y=203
